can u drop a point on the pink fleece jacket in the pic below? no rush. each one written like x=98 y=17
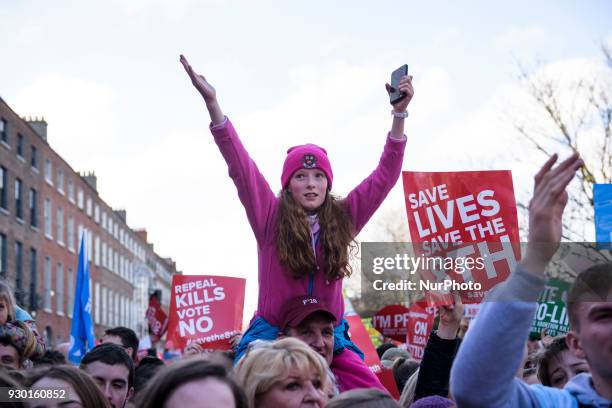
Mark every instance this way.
x=276 y=285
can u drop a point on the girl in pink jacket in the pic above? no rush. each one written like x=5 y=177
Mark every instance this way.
x=305 y=234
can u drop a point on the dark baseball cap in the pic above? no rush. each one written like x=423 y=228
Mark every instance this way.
x=296 y=310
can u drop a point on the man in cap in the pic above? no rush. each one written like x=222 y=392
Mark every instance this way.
x=309 y=319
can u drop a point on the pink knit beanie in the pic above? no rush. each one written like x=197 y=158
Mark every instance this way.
x=308 y=156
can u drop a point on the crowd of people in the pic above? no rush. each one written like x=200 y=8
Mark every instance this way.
x=297 y=352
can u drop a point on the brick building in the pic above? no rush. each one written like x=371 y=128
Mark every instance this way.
x=44 y=207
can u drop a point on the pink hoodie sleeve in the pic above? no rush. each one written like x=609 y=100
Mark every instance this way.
x=365 y=199
x=253 y=189
x=351 y=372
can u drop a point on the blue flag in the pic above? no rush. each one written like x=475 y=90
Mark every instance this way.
x=82 y=332
x=602 y=197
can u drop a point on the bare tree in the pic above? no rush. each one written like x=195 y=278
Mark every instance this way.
x=569 y=115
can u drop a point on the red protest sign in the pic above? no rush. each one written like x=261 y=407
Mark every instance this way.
x=419 y=326
x=361 y=338
x=467 y=221
x=392 y=321
x=157 y=318
x=207 y=309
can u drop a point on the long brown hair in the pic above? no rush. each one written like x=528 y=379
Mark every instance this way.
x=80 y=381
x=6 y=294
x=293 y=241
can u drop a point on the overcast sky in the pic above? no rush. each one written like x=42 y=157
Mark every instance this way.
x=106 y=77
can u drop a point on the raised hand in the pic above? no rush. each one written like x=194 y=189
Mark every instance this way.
x=546 y=211
x=450 y=318
x=206 y=90
x=199 y=82
x=405 y=86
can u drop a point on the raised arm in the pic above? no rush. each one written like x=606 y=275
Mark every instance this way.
x=434 y=374
x=253 y=189
x=397 y=126
x=483 y=374
x=365 y=199
x=207 y=91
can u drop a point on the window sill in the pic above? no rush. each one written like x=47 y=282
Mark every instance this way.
x=60 y=243
x=4 y=211
x=5 y=144
x=20 y=220
x=71 y=250
x=61 y=191
x=59 y=313
x=48 y=310
x=21 y=158
x=49 y=237
x=49 y=182
x=34 y=228
x=35 y=169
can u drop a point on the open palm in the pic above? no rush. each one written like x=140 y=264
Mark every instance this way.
x=199 y=82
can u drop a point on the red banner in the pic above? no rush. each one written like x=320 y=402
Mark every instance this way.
x=466 y=224
x=392 y=321
x=361 y=338
x=157 y=318
x=207 y=309
x=419 y=327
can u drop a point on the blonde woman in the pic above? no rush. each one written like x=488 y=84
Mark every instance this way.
x=285 y=373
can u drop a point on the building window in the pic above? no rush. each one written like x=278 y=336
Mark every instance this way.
x=47 y=296
x=70 y=188
x=3 y=185
x=89 y=207
x=59 y=222
x=104 y=306
x=19 y=272
x=4 y=131
x=48 y=171
x=97 y=213
x=60 y=181
x=33 y=212
x=80 y=199
x=59 y=289
x=79 y=235
x=103 y=220
x=116 y=308
x=97 y=251
x=97 y=303
x=3 y=263
x=70 y=233
x=33 y=279
x=116 y=263
x=104 y=264
x=18 y=199
x=47 y=216
x=33 y=157
x=70 y=292
x=110 y=258
x=20 y=145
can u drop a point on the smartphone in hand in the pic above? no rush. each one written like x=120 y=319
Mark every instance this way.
x=395 y=96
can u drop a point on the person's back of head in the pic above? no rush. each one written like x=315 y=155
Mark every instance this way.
x=380 y=350
x=127 y=336
x=7 y=381
x=363 y=398
x=402 y=369
x=393 y=354
x=408 y=392
x=110 y=354
x=170 y=379
x=51 y=357
x=147 y=368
